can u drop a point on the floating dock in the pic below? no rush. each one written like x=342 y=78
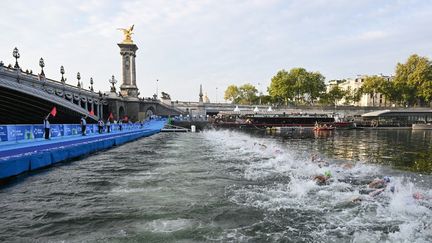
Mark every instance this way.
x=17 y=158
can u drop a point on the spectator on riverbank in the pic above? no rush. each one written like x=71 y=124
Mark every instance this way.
x=47 y=127
x=83 y=123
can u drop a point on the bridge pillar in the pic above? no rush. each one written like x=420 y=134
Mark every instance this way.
x=128 y=87
x=101 y=111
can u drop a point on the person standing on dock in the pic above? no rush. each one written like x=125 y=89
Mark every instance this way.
x=83 y=125
x=108 y=125
x=46 y=127
x=120 y=123
x=100 y=126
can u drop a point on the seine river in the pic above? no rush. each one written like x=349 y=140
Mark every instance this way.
x=228 y=186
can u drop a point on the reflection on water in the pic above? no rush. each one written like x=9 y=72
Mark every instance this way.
x=228 y=186
x=403 y=149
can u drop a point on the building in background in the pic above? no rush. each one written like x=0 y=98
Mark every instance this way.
x=354 y=84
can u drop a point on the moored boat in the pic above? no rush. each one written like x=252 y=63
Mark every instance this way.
x=276 y=120
x=424 y=126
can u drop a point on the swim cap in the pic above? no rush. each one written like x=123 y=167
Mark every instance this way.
x=386 y=179
x=327 y=173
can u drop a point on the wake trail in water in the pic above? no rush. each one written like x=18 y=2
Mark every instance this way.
x=297 y=208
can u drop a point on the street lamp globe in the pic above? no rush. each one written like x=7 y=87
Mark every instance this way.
x=16 y=55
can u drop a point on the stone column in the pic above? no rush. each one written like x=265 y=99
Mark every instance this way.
x=101 y=111
x=128 y=86
x=133 y=70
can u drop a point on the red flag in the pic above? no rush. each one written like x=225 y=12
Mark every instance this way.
x=111 y=116
x=53 y=111
x=91 y=113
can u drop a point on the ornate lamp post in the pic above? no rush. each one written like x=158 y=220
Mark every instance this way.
x=16 y=55
x=79 y=78
x=113 y=81
x=91 y=84
x=42 y=65
x=62 y=71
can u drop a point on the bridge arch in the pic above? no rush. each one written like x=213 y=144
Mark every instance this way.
x=121 y=112
x=149 y=112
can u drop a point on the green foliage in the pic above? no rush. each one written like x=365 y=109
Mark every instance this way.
x=413 y=81
x=352 y=95
x=297 y=85
x=333 y=95
x=232 y=93
x=248 y=94
x=245 y=94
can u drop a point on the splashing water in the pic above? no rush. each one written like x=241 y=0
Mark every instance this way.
x=298 y=209
x=224 y=186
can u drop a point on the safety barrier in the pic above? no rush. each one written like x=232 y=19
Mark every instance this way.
x=17 y=133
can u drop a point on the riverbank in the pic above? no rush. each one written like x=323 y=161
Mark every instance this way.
x=18 y=158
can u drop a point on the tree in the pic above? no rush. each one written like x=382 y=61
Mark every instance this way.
x=232 y=93
x=314 y=86
x=352 y=95
x=334 y=95
x=413 y=80
x=297 y=84
x=248 y=93
x=372 y=85
x=281 y=87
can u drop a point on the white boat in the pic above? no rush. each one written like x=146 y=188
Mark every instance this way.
x=422 y=126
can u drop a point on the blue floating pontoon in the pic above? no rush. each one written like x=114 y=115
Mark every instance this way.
x=16 y=157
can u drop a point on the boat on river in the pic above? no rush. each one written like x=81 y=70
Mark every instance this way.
x=276 y=120
x=422 y=126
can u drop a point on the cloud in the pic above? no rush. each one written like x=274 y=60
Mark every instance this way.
x=216 y=43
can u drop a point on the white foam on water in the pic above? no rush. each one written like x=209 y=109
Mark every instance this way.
x=168 y=226
x=393 y=217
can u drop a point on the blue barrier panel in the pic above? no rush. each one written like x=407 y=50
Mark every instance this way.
x=56 y=131
x=14 y=166
x=3 y=133
x=59 y=155
x=67 y=130
x=38 y=131
x=16 y=133
x=39 y=160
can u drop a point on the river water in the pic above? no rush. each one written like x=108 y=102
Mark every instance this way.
x=229 y=186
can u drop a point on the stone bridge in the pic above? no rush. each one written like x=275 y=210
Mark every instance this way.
x=26 y=98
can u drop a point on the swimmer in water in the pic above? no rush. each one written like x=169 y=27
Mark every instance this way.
x=347 y=166
x=322 y=179
x=261 y=145
x=320 y=162
x=380 y=186
x=379 y=183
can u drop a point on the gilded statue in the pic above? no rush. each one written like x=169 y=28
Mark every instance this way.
x=127 y=34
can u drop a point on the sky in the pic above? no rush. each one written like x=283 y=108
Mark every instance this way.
x=216 y=43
